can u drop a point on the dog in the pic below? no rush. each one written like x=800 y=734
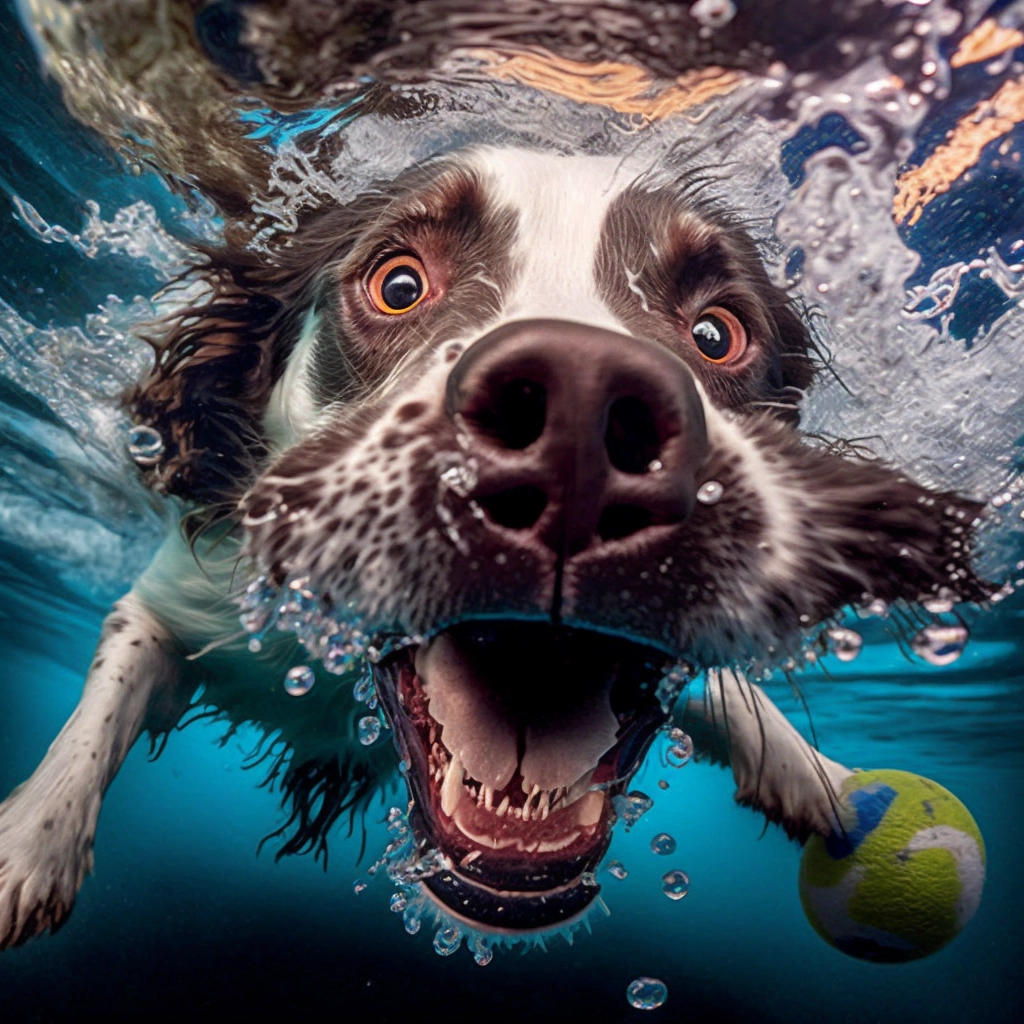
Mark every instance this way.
x=523 y=429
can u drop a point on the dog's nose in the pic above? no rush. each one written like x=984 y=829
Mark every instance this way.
x=582 y=436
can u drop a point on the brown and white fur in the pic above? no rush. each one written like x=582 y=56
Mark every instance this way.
x=313 y=434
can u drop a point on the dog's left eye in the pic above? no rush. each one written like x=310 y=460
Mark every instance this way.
x=398 y=285
x=719 y=336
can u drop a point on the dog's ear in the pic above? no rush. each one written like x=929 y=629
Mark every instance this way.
x=216 y=363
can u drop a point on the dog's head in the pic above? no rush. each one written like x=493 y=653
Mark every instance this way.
x=539 y=415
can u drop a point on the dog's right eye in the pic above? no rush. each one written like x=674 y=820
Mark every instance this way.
x=398 y=285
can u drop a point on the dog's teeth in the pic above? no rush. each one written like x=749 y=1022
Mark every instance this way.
x=545 y=804
x=489 y=797
x=451 y=787
x=502 y=808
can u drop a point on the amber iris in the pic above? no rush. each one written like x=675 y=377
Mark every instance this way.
x=719 y=336
x=398 y=285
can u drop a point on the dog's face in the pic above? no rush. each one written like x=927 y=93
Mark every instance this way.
x=538 y=414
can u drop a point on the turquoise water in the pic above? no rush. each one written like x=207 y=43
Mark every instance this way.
x=181 y=916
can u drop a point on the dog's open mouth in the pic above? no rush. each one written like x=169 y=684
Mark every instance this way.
x=519 y=736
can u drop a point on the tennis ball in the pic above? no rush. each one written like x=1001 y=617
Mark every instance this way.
x=903 y=877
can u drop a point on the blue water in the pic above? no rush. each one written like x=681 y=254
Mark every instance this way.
x=182 y=917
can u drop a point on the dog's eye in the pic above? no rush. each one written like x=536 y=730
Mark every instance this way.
x=398 y=285
x=719 y=336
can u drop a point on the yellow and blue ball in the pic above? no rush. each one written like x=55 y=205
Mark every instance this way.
x=904 y=874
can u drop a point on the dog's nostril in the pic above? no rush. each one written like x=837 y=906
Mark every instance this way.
x=518 y=508
x=516 y=414
x=632 y=439
x=619 y=521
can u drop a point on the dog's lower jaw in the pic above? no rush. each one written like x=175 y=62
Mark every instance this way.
x=48 y=823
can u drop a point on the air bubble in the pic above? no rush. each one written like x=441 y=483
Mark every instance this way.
x=447 y=940
x=359 y=886
x=482 y=952
x=368 y=730
x=662 y=784
x=632 y=807
x=299 y=681
x=397 y=903
x=940 y=644
x=675 y=884
x=646 y=993
x=846 y=643
x=663 y=844
x=364 y=689
x=617 y=869
x=680 y=752
x=145 y=445
x=411 y=918
x=710 y=493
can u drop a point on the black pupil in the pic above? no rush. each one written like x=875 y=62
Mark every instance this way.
x=401 y=287
x=712 y=336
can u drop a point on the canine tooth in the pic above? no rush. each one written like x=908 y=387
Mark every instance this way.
x=502 y=808
x=451 y=788
x=545 y=804
x=469 y=858
x=489 y=797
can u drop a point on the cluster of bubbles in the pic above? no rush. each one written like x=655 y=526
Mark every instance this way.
x=337 y=640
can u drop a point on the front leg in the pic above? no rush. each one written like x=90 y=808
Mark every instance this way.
x=776 y=770
x=47 y=824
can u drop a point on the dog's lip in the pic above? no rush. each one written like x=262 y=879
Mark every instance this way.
x=540 y=846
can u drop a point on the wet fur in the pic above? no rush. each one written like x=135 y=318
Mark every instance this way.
x=278 y=393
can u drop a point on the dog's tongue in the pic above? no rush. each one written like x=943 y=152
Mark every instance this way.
x=504 y=712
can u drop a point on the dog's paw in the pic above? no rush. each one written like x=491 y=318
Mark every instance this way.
x=44 y=857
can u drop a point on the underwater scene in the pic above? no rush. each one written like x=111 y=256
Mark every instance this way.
x=290 y=834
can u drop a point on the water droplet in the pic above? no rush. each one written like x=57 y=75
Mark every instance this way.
x=617 y=869
x=938 y=605
x=397 y=903
x=846 y=643
x=675 y=884
x=447 y=940
x=939 y=644
x=710 y=493
x=145 y=445
x=877 y=607
x=713 y=14
x=255 y=645
x=411 y=919
x=663 y=844
x=368 y=730
x=482 y=952
x=646 y=993
x=299 y=681
x=632 y=807
x=359 y=886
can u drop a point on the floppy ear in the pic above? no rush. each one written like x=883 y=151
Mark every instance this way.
x=218 y=359
x=215 y=367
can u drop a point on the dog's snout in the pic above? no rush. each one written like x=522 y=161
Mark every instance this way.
x=583 y=435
